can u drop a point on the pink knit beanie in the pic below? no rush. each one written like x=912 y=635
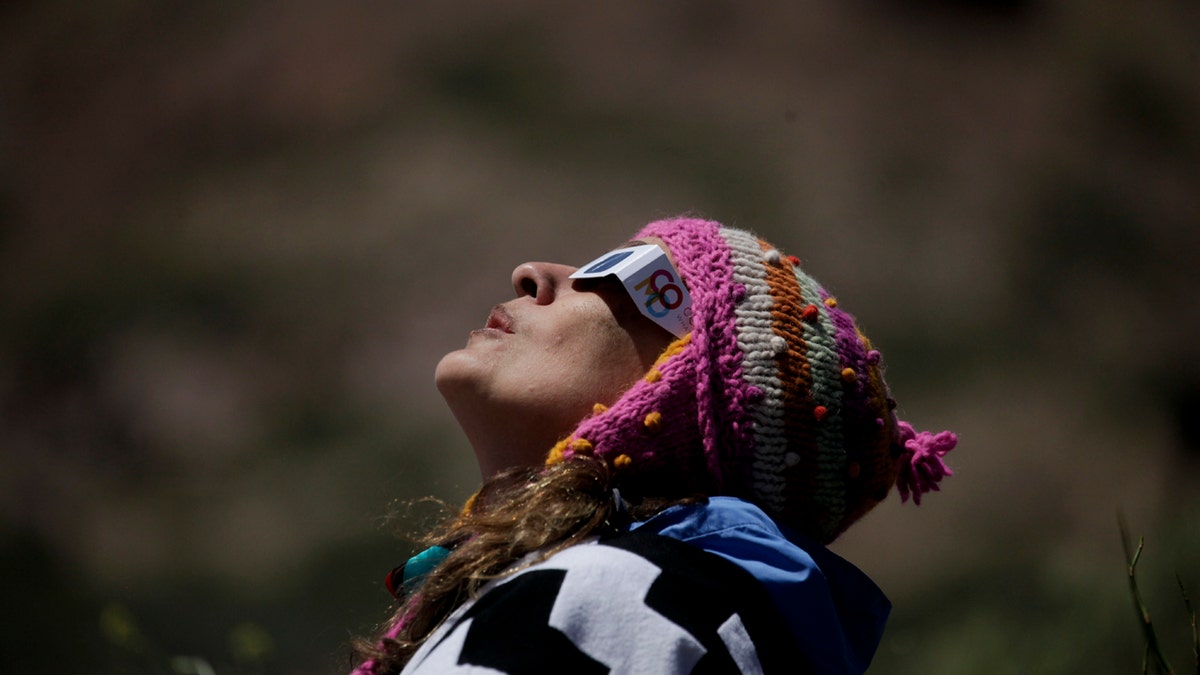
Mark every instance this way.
x=775 y=396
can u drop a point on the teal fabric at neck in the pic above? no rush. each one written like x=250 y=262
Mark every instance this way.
x=423 y=563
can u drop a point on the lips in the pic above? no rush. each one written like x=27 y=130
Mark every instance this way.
x=499 y=319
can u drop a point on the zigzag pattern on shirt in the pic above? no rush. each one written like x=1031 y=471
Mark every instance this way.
x=592 y=609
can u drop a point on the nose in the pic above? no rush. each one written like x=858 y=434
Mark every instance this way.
x=541 y=281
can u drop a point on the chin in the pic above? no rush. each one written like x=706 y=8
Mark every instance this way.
x=462 y=376
x=451 y=368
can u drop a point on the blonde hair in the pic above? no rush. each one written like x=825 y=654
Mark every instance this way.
x=515 y=513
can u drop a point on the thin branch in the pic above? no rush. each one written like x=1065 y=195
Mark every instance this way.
x=1154 y=652
x=1187 y=604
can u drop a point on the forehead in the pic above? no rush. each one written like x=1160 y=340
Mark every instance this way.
x=643 y=241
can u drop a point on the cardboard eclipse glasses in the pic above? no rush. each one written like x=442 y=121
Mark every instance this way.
x=651 y=280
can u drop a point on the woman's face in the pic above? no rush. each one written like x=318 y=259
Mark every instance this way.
x=543 y=360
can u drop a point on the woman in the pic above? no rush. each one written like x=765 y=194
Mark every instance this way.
x=669 y=436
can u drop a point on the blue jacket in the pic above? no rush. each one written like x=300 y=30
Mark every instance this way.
x=834 y=611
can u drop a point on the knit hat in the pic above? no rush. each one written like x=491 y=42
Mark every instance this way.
x=775 y=396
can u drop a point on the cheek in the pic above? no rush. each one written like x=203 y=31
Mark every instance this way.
x=602 y=358
x=617 y=363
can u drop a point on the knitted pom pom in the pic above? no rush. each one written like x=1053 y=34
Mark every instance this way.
x=820 y=412
x=582 y=446
x=622 y=461
x=810 y=313
x=599 y=409
x=653 y=421
x=849 y=376
x=921 y=465
x=831 y=302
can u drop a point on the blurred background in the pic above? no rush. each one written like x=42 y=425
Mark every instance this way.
x=235 y=238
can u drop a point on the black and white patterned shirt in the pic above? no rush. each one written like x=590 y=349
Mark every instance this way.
x=638 y=603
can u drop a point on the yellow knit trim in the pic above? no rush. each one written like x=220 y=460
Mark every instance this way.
x=556 y=453
x=673 y=349
x=468 y=506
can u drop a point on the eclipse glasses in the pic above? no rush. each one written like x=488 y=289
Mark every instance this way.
x=651 y=280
